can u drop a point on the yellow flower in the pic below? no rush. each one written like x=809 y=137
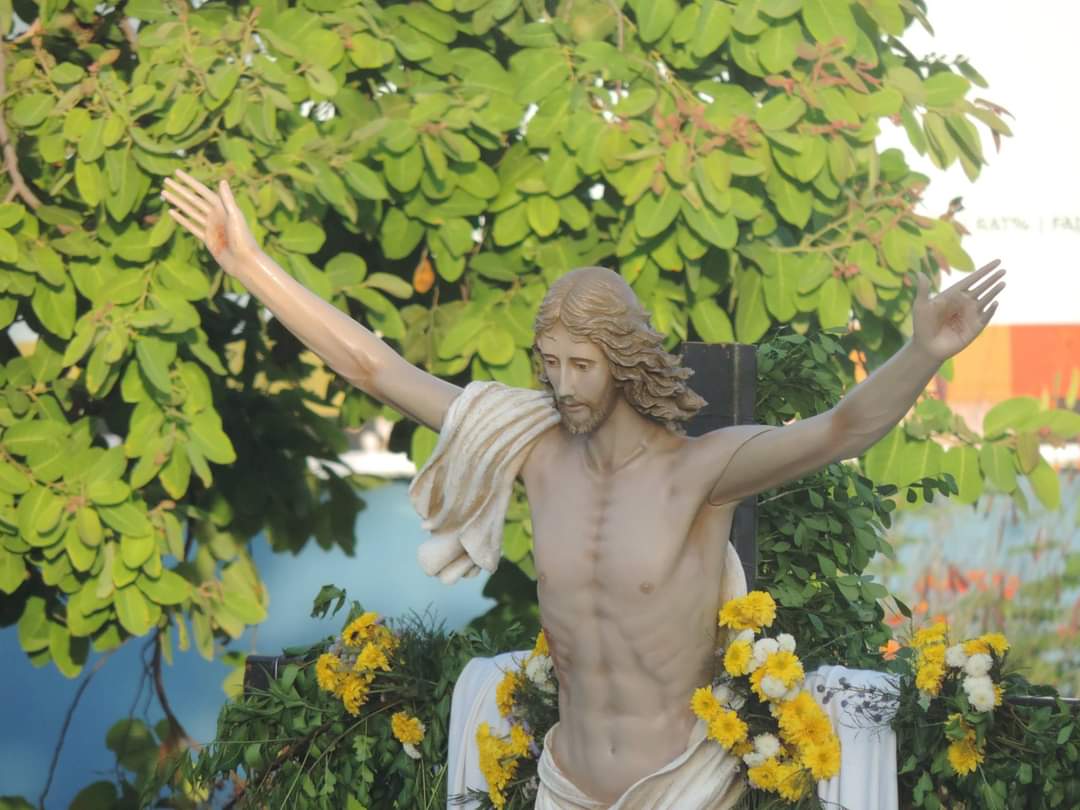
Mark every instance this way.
x=791 y=781
x=504 y=692
x=354 y=692
x=499 y=758
x=785 y=666
x=934 y=634
x=931 y=668
x=743 y=748
x=519 y=741
x=727 y=728
x=541 y=646
x=985 y=643
x=998 y=693
x=359 y=629
x=407 y=729
x=326 y=672
x=964 y=756
x=751 y=612
x=823 y=761
x=802 y=722
x=704 y=703
x=766 y=775
x=372 y=657
x=737 y=658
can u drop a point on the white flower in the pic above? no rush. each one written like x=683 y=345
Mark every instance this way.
x=538 y=670
x=955 y=656
x=746 y=635
x=767 y=745
x=793 y=692
x=754 y=759
x=410 y=749
x=763 y=648
x=978 y=664
x=723 y=695
x=773 y=687
x=786 y=642
x=978 y=682
x=982 y=698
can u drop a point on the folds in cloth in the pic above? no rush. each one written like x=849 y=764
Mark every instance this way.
x=463 y=490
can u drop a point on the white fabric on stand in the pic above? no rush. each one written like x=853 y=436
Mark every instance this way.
x=861 y=704
x=867 y=778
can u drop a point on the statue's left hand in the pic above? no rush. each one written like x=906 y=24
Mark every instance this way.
x=946 y=323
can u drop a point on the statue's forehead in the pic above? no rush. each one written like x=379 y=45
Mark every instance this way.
x=559 y=337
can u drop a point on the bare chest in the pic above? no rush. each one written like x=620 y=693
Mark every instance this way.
x=625 y=532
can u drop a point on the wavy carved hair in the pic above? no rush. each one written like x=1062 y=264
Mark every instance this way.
x=596 y=304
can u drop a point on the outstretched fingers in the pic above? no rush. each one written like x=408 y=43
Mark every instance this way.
x=987 y=283
x=196 y=230
x=979 y=274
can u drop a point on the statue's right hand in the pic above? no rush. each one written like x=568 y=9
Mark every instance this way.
x=214 y=218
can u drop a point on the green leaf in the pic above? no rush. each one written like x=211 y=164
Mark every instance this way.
x=135 y=550
x=542 y=213
x=394 y=285
x=134 y=611
x=302 y=237
x=205 y=430
x=168 y=589
x=831 y=19
x=654 y=17
x=641 y=99
x=780 y=112
x=834 y=304
x=711 y=322
x=751 y=317
x=127 y=519
x=13 y=571
x=778 y=45
x=1011 y=413
x=55 y=308
x=713 y=27
x=998 y=467
x=1046 y=485
x=365 y=182
x=496 y=346
x=155 y=357
x=33 y=625
x=944 y=88
x=653 y=214
x=31 y=110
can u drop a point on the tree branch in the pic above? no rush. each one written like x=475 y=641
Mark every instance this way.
x=67 y=722
x=19 y=188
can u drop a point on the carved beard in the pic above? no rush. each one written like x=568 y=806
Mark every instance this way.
x=576 y=424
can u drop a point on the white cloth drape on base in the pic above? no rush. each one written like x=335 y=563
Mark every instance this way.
x=857 y=701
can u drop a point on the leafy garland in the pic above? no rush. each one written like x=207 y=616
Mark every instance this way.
x=361 y=722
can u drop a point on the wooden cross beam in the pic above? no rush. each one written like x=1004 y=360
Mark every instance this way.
x=725 y=374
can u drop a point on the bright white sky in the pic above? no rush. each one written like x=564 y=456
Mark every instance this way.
x=1028 y=54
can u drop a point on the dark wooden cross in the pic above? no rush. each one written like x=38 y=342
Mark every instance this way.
x=725 y=375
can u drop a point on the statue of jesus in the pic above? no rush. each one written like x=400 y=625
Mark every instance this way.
x=631 y=518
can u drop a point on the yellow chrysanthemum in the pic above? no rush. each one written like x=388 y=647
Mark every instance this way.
x=737 y=658
x=751 y=612
x=704 y=703
x=823 y=761
x=931 y=668
x=354 y=692
x=791 y=781
x=743 y=748
x=327 y=672
x=934 y=634
x=359 y=629
x=727 y=728
x=504 y=692
x=986 y=643
x=784 y=666
x=499 y=758
x=519 y=741
x=384 y=638
x=371 y=658
x=406 y=728
x=766 y=775
x=802 y=721
x=755 y=684
x=541 y=646
x=964 y=756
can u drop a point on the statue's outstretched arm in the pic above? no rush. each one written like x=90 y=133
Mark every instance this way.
x=349 y=348
x=740 y=461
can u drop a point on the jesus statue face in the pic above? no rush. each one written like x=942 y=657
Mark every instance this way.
x=585 y=391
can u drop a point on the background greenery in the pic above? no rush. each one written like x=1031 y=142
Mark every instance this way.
x=430 y=167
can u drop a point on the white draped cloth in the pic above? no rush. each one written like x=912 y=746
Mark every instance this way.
x=860 y=704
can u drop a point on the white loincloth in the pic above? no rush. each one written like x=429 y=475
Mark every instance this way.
x=463 y=490
x=703 y=777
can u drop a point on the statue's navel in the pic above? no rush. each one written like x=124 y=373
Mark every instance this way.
x=646 y=587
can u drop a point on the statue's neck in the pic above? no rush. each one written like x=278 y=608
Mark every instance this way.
x=619 y=439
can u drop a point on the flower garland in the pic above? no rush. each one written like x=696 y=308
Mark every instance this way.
x=349 y=667
x=960 y=676
x=500 y=757
x=759 y=710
